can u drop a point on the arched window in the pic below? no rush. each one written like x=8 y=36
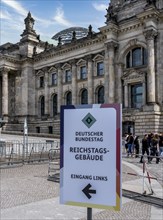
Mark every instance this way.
x=100 y=95
x=84 y=97
x=42 y=102
x=136 y=57
x=55 y=105
x=69 y=98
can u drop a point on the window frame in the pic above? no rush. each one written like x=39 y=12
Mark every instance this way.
x=99 y=73
x=84 y=99
x=54 y=79
x=69 y=99
x=55 y=105
x=42 y=106
x=136 y=60
x=42 y=82
x=134 y=95
x=68 y=76
x=99 y=96
x=83 y=74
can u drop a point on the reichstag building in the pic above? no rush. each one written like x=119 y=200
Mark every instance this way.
x=121 y=63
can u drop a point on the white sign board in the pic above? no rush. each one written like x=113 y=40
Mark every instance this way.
x=90 y=148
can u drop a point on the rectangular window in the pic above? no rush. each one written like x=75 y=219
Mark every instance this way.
x=37 y=129
x=136 y=96
x=136 y=57
x=54 y=79
x=83 y=72
x=50 y=130
x=100 y=69
x=68 y=76
x=41 y=81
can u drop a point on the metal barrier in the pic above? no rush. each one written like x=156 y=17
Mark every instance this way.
x=54 y=165
x=16 y=152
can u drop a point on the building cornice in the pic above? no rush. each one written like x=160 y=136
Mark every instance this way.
x=10 y=59
x=149 y=13
x=67 y=48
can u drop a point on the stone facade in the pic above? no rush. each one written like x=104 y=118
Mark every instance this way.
x=122 y=63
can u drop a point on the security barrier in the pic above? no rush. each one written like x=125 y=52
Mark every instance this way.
x=15 y=152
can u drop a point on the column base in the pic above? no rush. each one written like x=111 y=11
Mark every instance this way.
x=151 y=107
x=5 y=118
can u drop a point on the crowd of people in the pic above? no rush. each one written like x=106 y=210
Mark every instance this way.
x=151 y=144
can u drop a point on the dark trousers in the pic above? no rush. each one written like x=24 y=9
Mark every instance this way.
x=137 y=151
x=144 y=149
x=154 y=152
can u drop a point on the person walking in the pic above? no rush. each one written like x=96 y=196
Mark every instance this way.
x=126 y=140
x=136 y=146
x=130 y=145
x=155 y=148
x=145 y=148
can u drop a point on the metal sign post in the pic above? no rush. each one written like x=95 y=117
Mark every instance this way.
x=89 y=213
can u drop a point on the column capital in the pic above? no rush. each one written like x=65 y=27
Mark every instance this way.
x=111 y=45
x=125 y=83
x=4 y=69
x=121 y=65
x=150 y=34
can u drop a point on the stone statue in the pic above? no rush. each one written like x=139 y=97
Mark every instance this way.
x=110 y=11
x=110 y=16
x=73 y=36
x=34 y=51
x=90 y=32
x=59 y=41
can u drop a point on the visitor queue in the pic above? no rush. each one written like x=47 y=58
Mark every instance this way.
x=151 y=145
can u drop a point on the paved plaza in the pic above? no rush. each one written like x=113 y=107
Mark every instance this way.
x=25 y=193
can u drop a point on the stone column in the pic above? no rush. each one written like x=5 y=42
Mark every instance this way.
x=46 y=89
x=106 y=76
x=151 y=89
x=59 y=87
x=126 y=95
x=90 y=79
x=111 y=50
x=74 y=82
x=119 y=82
x=144 y=93
x=5 y=93
x=110 y=72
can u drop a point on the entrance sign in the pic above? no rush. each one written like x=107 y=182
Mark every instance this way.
x=90 y=164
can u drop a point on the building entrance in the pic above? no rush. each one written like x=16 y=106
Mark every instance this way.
x=128 y=127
